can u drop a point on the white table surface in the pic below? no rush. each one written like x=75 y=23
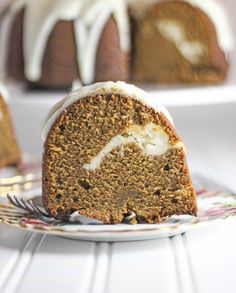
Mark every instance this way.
x=198 y=261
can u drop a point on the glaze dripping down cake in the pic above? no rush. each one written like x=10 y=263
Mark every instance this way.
x=109 y=152
x=50 y=43
x=9 y=151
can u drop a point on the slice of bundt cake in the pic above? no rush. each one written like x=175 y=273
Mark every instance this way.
x=9 y=151
x=108 y=152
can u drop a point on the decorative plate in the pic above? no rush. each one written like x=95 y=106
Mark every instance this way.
x=213 y=206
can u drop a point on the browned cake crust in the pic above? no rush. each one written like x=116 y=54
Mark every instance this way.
x=127 y=180
x=156 y=58
x=15 y=62
x=111 y=62
x=9 y=151
x=59 y=67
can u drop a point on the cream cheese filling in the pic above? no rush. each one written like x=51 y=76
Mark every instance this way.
x=193 y=51
x=150 y=138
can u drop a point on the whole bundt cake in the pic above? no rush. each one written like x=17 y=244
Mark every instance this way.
x=50 y=43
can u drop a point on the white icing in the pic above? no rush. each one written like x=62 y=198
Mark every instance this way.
x=87 y=33
x=108 y=87
x=150 y=138
x=193 y=51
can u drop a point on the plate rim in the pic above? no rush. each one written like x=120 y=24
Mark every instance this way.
x=156 y=230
